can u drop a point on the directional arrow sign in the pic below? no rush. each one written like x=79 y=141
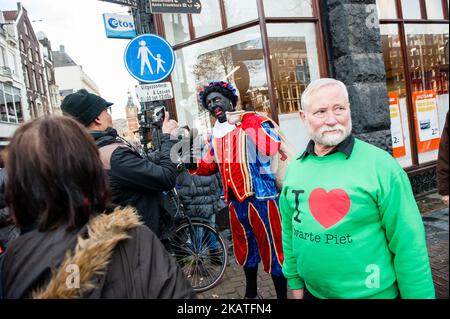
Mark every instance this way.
x=176 y=6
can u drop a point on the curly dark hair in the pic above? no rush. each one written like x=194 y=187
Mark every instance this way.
x=224 y=88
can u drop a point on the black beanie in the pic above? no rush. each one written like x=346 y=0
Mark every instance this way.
x=84 y=106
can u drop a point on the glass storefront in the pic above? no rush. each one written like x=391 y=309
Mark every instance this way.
x=177 y=28
x=428 y=70
x=434 y=9
x=411 y=9
x=238 y=11
x=387 y=9
x=209 y=20
x=413 y=37
x=239 y=57
x=288 y=8
x=417 y=77
x=10 y=104
x=396 y=85
x=295 y=63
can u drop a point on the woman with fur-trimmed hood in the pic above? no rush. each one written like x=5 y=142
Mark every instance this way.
x=56 y=188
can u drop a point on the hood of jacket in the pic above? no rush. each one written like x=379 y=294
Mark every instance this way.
x=51 y=264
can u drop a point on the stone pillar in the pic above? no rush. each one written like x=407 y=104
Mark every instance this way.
x=355 y=57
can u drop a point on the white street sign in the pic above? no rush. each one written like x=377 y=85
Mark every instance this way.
x=154 y=92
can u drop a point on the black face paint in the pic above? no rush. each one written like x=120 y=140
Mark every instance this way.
x=218 y=105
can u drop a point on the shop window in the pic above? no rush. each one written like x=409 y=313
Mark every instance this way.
x=239 y=11
x=236 y=57
x=297 y=43
x=434 y=9
x=386 y=9
x=176 y=28
x=209 y=21
x=11 y=114
x=18 y=105
x=395 y=82
x=300 y=49
x=411 y=9
x=288 y=8
x=429 y=85
x=3 y=113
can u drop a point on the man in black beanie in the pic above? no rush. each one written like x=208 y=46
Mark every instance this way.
x=134 y=180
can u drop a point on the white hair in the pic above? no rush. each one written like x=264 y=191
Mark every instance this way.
x=317 y=84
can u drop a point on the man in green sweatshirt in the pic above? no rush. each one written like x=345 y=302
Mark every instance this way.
x=350 y=224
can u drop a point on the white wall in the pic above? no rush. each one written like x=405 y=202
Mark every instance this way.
x=74 y=78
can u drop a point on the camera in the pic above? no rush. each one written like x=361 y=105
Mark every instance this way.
x=150 y=125
x=158 y=115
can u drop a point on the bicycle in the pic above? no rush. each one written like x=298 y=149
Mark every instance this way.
x=199 y=249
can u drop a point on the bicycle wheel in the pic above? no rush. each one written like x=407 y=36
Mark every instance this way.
x=201 y=253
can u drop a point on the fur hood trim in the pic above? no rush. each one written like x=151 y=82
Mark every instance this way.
x=91 y=255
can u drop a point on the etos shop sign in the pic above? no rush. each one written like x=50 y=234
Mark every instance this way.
x=119 y=26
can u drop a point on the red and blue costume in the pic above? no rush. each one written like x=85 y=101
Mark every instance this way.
x=243 y=155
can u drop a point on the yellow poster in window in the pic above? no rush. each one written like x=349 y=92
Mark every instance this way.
x=426 y=118
x=398 y=139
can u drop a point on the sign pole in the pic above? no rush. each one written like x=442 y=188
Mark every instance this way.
x=143 y=20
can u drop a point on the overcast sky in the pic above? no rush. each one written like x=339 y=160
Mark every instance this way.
x=78 y=25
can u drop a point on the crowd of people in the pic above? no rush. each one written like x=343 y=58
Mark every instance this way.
x=82 y=212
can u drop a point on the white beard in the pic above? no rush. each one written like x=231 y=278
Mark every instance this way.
x=330 y=139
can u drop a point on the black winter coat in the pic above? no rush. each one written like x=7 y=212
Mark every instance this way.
x=200 y=195
x=133 y=263
x=138 y=182
x=8 y=231
x=443 y=162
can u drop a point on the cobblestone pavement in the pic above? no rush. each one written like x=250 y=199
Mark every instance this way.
x=435 y=216
x=436 y=227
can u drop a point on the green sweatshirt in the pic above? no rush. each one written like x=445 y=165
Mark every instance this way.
x=352 y=229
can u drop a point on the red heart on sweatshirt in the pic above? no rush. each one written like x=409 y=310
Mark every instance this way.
x=329 y=208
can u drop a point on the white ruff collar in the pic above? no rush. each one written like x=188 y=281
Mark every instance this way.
x=222 y=129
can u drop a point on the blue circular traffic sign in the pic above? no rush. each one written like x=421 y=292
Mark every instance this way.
x=149 y=58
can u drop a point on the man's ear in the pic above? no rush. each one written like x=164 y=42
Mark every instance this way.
x=302 y=115
x=95 y=124
x=97 y=121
